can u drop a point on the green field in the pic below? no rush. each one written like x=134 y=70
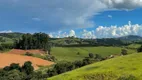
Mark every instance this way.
x=135 y=46
x=121 y=68
x=70 y=54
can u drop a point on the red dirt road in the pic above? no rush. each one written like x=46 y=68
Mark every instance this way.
x=7 y=59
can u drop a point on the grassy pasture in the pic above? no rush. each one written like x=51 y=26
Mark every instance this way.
x=135 y=46
x=121 y=68
x=70 y=54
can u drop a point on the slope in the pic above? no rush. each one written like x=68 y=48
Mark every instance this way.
x=70 y=53
x=122 y=68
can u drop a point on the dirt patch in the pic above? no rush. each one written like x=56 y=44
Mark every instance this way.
x=7 y=59
x=19 y=51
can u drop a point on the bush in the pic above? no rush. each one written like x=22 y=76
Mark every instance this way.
x=139 y=49
x=27 y=67
x=12 y=67
x=98 y=57
x=124 y=52
x=78 y=53
x=50 y=58
x=12 y=75
x=91 y=55
x=28 y=54
x=78 y=64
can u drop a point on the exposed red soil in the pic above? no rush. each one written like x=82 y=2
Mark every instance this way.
x=19 y=51
x=7 y=59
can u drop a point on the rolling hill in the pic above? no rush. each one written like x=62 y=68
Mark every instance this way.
x=131 y=38
x=121 y=68
x=70 y=53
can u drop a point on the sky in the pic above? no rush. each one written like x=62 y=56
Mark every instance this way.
x=78 y=18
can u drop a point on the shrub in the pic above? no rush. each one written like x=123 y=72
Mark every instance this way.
x=124 y=52
x=28 y=54
x=27 y=67
x=78 y=64
x=78 y=53
x=98 y=57
x=91 y=55
x=12 y=67
x=139 y=49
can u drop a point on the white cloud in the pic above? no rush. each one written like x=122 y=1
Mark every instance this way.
x=6 y=31
x=36 y=19
x=88 y=34
x=109 y=16
x=117 y=31
x=72 y=33
x=123 y=4
x=106 y=31
x=51 y=35
x=64 y=14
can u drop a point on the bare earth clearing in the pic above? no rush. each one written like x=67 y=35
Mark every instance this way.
x=19 y=51
x=14 y=56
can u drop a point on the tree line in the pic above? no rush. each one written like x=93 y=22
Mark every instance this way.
x=33 y=41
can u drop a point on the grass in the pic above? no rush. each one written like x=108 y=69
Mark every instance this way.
x=135 y=46
x=70 y=54
x=121 y=68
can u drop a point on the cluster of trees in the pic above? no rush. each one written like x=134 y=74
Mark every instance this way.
x=5 y=46
x=14 y=35
x=34 y=41
x=16 y=72
x=76 y=42
x=68 y=66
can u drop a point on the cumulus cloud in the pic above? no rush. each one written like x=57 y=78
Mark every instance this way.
x=123 y=4
x=117 y=31
x=88 y=34
x=64 y=14
x=106 y=31
x=61 y=34
x=72 y=33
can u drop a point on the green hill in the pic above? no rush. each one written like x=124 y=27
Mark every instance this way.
x=131 y=38
x=121 y=68
x=70 y=53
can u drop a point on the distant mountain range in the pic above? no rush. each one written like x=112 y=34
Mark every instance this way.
x=131 y=38
x=17 y=35
x=11 y=35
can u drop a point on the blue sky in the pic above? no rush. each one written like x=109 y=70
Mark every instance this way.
x=80 y=18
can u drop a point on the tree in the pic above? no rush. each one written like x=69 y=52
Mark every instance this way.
x=78 y=53
x=27 y=67
x=91 y=55
x=12 y=67
x=78 y=64
x=124 y=52
x=98 y=57
x=49 y=48
x=139 y=49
